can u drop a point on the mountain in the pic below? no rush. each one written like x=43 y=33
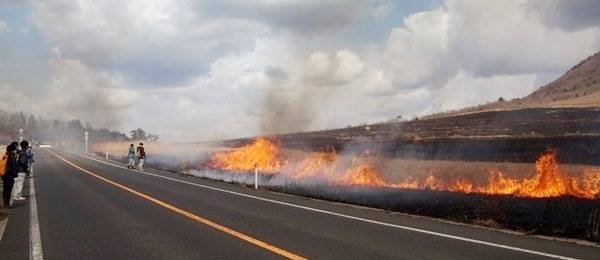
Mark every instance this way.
x=578 y=87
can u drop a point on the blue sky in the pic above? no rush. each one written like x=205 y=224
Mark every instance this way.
x=198 y=70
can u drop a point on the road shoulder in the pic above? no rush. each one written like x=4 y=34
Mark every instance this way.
x=15 y=241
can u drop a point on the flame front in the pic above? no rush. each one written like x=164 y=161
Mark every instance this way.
x=546 y=181
x=362 y=173
x=263 y=154
x=319 y=164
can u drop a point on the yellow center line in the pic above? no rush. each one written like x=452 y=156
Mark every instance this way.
x=190 y=215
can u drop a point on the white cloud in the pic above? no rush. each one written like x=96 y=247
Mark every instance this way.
x=324 y=69
x=450 y=57
x=502 y=37
x=4 y=27
x=469 y=52
x=465 y=90
x=417 y=53
x=377 y=83
x=220 y=69
x=305 y=17
x=567 y=15
x=483 y=39
x=78 y=92
x=157 y=42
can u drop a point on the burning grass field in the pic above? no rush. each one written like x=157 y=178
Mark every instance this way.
x=370 y=170
x=541 y=198
x=544 y=197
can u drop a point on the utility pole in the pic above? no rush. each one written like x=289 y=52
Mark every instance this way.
x=86 y=141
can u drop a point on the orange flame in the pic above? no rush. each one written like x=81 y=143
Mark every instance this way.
x=362 y=173
x=546 y=181
x=499 y=184
x=262 y=153
x=321 y=164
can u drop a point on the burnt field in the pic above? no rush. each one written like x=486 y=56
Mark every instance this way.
x=562 y=216
x=497 y=136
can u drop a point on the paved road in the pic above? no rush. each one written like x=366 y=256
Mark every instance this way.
x=92 y=210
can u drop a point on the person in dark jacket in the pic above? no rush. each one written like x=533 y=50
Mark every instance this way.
x=24 y=157
x=141 y=156
x=12 y=169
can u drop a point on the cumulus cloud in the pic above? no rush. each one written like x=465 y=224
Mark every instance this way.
x=157 y=42
x=4 y=27
x=482 y=39
x=324 y=69
x=78 y=92
x=567 y=15
x=505 y=39
x=307 y=17
x=464 y=90
x=378 y=83
x=222 y=69
x=417 y=53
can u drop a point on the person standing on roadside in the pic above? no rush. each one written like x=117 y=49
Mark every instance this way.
x=131 y=157
x=24 y=161
x=31 y=161
x=141 y=156
x=11 y=172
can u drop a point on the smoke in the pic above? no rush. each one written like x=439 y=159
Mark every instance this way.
x=284 y=113
x=78 y=92
x=293 y=104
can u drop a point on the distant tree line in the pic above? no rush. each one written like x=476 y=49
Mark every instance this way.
x=68 y=133
x=140 y=134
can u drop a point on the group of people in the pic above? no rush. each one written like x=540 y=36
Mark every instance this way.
x=139 y=153
x=18 y=164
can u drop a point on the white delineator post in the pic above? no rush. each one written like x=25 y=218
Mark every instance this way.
x=86 y=141
x=106 y=155
x=256 y=177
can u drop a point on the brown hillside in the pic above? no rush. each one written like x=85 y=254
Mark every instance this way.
x=573 y=87
x=578 y=87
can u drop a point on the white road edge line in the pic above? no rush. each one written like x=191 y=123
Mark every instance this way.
x=3 y=227
x=433 y=233
x=35 y=239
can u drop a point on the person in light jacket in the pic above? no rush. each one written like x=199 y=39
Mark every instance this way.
x=31 y=161
x=131 y=157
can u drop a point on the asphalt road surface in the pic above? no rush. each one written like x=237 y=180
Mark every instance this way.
x=90 y=209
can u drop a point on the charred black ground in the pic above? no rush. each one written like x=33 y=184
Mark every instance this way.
x=498 y=136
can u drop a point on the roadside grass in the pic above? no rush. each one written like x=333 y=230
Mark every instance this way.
x=565 y=216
